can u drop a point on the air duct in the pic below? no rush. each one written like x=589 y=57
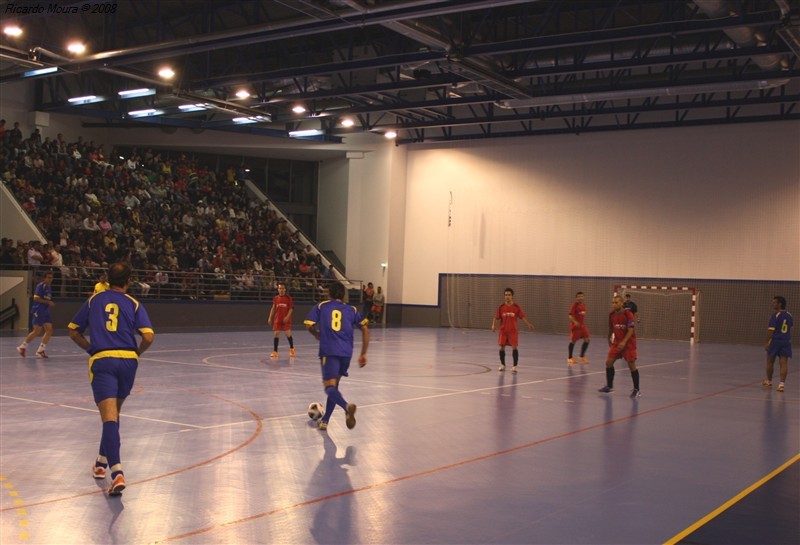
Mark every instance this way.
x=743 y=36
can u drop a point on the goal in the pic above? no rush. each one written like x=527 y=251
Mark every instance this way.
x=665 y=312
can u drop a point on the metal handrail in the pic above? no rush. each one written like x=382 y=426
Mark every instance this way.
x=182 y=285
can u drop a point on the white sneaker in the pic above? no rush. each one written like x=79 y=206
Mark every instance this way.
x=501 y=368
x=514 y=369
x=22 y=350
x=42 y=354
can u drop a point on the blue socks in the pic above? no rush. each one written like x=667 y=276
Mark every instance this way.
x=110 y=443
x=335 y=396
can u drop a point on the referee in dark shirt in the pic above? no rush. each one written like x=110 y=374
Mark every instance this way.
x=630 y=305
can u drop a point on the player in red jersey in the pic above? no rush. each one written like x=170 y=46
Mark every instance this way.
x=507 y=314
x=577 y=328
x=280 y=316
x=621 y=344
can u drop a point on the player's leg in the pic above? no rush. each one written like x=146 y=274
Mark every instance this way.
x=112 y=381
x=110 y=443
x=501 y=340
x=631 y=359
x=585 y=345
x=784 y=370
x=770 y=369
x=288 y=333
x=48 y=332
x=513 y=341
x=572 y=340
x=23 y=347
x=613 y=355
x=275 y=340
x=331 y=376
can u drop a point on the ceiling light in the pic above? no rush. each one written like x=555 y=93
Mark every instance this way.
x=390 y=134
x=193 y=107
x=347 y=122
x=242 y=93
x=133 y=93
x=76 y=47
x=145 y=113
x=40 y=72
x=299 y=109
x=88 y=99
x=13 y=31
x=253 y=119
x=305 y=133
x=166 y=72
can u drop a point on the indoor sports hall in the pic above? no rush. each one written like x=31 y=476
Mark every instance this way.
x=218 y=448
x=443 y=160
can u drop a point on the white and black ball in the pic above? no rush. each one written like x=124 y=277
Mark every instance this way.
x=315 y=411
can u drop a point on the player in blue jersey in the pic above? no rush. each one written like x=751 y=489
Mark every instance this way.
x=779 y=341
x=114 y=318
x=332 y=323
x=40 y=316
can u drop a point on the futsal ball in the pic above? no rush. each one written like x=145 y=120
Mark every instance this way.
x=315 y=411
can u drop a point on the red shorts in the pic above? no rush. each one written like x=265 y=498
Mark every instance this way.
x=511 y=339
x=376 y=308
x=627 y=353
x=577 y=332
x=280 y=325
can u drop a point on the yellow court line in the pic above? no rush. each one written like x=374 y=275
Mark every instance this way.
x=730 y=503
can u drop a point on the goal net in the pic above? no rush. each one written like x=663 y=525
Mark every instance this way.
x=665 y=312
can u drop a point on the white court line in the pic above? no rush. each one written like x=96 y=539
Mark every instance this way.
x=292 y=374
x=95 y=411
x=385 y=403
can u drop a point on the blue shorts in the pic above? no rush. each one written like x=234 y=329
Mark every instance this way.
x=334 y=367
x=112 y=377
x=41 y=317
x=780 y=349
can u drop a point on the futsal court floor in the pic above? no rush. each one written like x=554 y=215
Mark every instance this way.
x=217 y=447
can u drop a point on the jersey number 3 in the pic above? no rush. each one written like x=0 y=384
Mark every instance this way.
x=112 y=310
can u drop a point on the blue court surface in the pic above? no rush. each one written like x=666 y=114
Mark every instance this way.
x=217 y=447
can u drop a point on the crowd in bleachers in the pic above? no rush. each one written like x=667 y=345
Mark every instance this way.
x=165 y=215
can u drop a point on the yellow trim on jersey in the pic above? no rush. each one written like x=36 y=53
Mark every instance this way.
x=308 y=322
x=146 y=330
x=129 y=354
x=73 y=325
x=134 y=301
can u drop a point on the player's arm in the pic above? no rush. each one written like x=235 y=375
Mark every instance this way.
x=494 y=323
x=288 y=318
x=610 y=333
x=572 y=319
x=773 y=323
x=271 y=314
x=628 y=333
x=770 y=331
x=312 y=328
x=147 y=340
x=78 y=338
x=362 y=359
x=37 y=299
x=525 y=319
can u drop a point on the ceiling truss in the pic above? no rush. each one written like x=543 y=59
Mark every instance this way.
x=434 y=70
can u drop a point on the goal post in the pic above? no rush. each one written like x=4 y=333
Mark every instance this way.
x=666 y=312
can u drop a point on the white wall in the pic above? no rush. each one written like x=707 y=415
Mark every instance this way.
x=332 y=198
x=709 y=202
